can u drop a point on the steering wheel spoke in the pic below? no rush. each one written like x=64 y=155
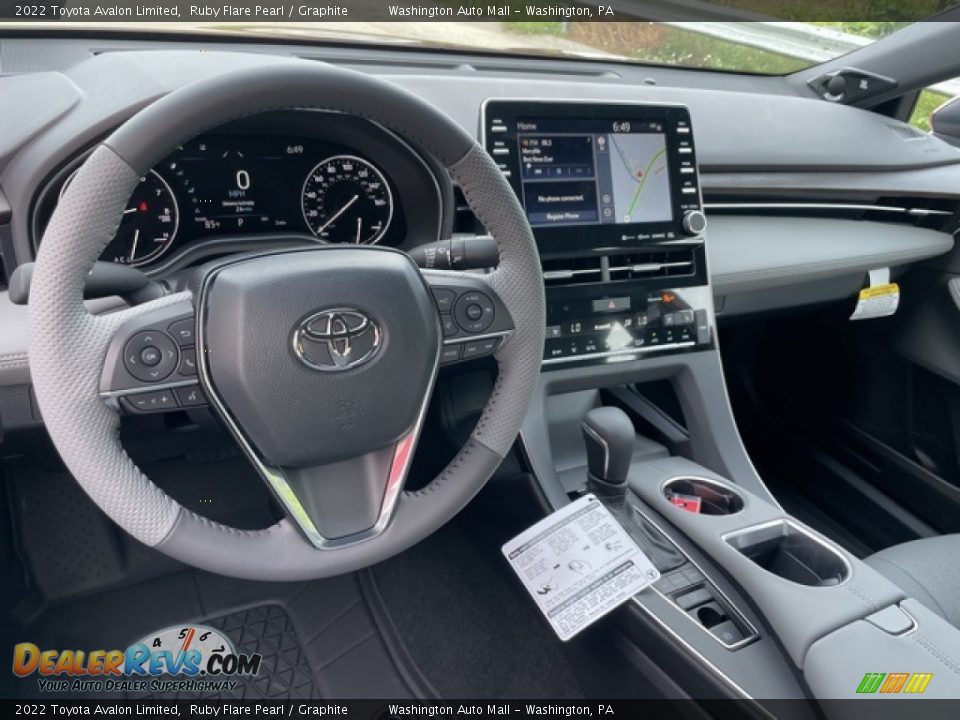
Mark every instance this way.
x=344 y=502
x=474 y=320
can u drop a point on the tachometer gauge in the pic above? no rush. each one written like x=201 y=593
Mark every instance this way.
x=346 y=199
x=149 y=224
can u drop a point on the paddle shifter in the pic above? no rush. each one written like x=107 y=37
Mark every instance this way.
x=609 y=436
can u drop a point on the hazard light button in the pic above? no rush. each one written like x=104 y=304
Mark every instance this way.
x=614 y=304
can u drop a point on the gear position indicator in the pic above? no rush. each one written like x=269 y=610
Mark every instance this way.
x=578 y=564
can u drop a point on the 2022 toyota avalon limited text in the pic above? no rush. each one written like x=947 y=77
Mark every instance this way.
x=419 y=362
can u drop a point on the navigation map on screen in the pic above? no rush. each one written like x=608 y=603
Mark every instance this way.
x=641 y=186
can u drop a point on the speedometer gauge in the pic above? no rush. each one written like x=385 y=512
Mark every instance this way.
x=149 y=224
x=346 y=199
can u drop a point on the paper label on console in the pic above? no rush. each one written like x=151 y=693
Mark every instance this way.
x=578 y=564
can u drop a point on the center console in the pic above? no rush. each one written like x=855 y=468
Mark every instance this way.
x=612 y=194
x=751 y=602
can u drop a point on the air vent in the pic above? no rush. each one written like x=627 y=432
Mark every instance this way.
x=561 y=71
x=454 y=67
x=653 y=264
x=464 y=221
x=908 y=132
x=573 y=271
x=637 y=265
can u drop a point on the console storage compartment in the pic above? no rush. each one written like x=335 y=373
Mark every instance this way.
x=788 y=551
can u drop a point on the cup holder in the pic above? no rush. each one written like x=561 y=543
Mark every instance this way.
x=699 y=495
x=788 y=551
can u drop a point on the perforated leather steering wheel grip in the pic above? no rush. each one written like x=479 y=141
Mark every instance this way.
x=67 y=343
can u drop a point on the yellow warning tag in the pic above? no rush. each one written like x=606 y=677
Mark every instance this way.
x=877 y=301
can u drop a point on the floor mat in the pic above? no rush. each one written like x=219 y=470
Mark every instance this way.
x=467 y=625
x=318 y=639
x=284 y=672
x=73 y=548
x=445 y=619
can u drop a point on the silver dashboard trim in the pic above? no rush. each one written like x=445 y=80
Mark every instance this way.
x=606 y=448
x=627 y=352
x=483 y=336
x=919 y=212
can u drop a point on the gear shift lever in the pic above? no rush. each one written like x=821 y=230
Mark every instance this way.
x=609 y=436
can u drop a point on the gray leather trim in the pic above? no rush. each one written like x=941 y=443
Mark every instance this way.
x=280 y=553
x=799 y=614
x=927 y=570
x=518 y=283
x=147 y=138
x=68 y=343
x=14 y=363
x=754 y=253
x=837 y=663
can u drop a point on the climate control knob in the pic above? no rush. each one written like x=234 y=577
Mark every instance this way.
x=694 y=222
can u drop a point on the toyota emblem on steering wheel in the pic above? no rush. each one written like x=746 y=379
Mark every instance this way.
x=335 y=340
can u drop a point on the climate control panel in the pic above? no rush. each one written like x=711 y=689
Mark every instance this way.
x=633 y=322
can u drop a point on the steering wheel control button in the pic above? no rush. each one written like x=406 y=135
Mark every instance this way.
x=188 y=362
x=182 y=331
x=190 y=397
x=449 y=354
x=449 y=325
x=150 y=356
x=148 y=402
x=445 y=298
x=479 y=348
x=474 y=312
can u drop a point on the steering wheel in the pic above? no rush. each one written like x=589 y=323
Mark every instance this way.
x=320 y=362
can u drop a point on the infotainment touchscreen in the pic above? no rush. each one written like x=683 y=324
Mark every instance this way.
x=574 y=172
x=594 y=176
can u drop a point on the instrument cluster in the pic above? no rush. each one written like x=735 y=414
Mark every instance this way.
x=264 y=187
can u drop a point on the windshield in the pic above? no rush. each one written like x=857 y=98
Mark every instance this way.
x=769 y=48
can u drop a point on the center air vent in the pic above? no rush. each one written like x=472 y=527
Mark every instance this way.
x=573 y=271
x=637 y=265
x=653 y=264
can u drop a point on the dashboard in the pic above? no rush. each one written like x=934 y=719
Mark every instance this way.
x=796 y=216
x=283 y=178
